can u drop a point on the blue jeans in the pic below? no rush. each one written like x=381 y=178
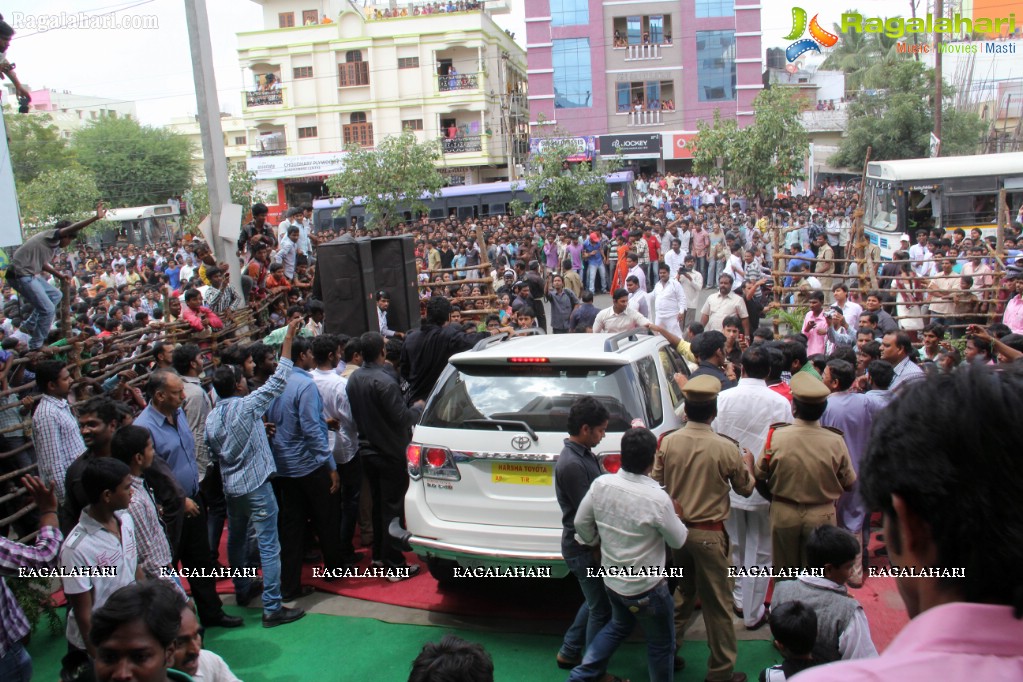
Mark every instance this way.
x=592 y=270
x=44 y=299
x=594 y=613
x=261 y=507
x=654 y=610
x=16 y=665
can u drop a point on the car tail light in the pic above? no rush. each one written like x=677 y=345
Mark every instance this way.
x=413 y=454
x=528 y=361
x=611 y=462
x=437 y=462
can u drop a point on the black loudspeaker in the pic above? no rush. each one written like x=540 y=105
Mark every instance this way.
x=344 y=282
x=394 y=271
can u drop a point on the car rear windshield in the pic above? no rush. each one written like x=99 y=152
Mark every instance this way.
x=539 y=395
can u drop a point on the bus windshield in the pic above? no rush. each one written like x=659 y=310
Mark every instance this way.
x=881 y=208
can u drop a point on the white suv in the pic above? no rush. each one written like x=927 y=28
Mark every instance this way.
x=482 y=458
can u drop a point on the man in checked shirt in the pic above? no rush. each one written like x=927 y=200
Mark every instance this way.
x=15 y=663
x=55 y=433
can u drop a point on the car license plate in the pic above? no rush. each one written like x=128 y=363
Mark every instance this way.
x=522 y=473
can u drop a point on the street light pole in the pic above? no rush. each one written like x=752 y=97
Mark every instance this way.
x=211 y=133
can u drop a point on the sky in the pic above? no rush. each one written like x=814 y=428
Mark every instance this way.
x=152 y=67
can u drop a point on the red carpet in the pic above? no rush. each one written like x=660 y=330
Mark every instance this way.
x=555 y=599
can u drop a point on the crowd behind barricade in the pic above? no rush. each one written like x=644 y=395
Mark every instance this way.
x=154 y=421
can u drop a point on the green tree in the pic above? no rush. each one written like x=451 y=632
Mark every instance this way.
x=134 y=165
x=757 y=159
x=36 y=146
x=396 y=175
x=58 y=194
x=896 y=122
x=567 y=186
x=243 y=193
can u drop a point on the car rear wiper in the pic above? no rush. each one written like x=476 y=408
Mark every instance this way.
x=505 y=422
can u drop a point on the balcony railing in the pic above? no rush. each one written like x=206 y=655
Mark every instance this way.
x=461 y=81
x=457 y=145
x=264 y=98
x=645 y=118
x=642 y=52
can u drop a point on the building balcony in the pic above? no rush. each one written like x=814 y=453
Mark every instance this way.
x=639 y=53
x=273 y=97
x=460 y=145
x=645 y=118
x=461 y=81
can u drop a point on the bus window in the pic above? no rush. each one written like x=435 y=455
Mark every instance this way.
x=436 y=214
x=498 y=209
x=971 y=209
x=466 y=212
x=881 y=211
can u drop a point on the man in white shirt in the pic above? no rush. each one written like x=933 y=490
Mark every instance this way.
x=692 y=283
x=620 y=317
x=383 y=303
x=674 y=258
x=637 y=296
x=918 y=252
x=342 y=437
x=746 y=414
x=670 y=303
x=632 y=518
x=189 y=656
x=724 y=304
x=850 y=309
x=633 y=260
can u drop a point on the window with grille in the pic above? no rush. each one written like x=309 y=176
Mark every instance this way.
x=302 y=72
x=412 y=124
x=310 y=17
x=307 y=132
x=286 y=20
x=408 y=62
x=239 y=140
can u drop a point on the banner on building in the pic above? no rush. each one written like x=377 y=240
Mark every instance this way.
x=278 y=167
x=631 y=146
x=583 y=146
x=678 y=145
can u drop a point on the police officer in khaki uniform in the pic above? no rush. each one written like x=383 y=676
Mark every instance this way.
x=697 y=468
x=805 y=468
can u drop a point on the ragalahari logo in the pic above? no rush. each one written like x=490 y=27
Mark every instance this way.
x=818 y=36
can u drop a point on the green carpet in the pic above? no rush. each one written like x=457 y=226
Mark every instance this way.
x=322 y=648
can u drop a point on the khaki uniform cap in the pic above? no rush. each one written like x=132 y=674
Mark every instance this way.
x=808 y=389
x=703 y=389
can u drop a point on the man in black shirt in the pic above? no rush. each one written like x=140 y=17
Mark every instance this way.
x=576 y=469
x=709 y=349
x=385 y=430
x=258 y=229
x=426 y=350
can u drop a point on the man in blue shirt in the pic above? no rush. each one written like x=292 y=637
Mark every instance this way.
x=237 y=442
x=592 y=255
x=174 y=444
x=307 y=482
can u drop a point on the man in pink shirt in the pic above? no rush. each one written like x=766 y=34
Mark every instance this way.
x=1013 y=316
x=701 y=245
x=815 y=325
x=943 y=467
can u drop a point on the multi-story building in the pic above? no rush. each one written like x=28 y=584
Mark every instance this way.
x=235 y=141
x=627 y=70
x=328 y=74
x=70 y=112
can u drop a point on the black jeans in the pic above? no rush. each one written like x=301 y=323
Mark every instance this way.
x=351 y=493
x=300 y=499
x=194 y=553
x=216 y=508
x=388 y=482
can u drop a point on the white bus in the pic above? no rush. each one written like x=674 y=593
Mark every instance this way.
x=954 y=192
x=140 y=225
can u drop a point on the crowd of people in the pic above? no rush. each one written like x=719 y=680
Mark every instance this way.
x=156 y=422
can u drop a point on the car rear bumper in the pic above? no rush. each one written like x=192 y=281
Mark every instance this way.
x=476 y=544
